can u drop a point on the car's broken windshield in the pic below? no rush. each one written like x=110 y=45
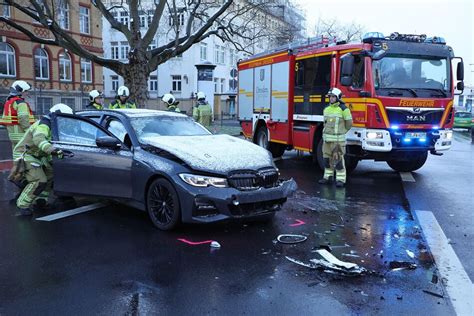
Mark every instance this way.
x=152 y=126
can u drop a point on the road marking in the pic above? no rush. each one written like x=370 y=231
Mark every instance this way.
x=458 y=284
x=407 y=177
x=72 y=212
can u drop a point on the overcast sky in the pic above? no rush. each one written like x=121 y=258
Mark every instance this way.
x=451 y=19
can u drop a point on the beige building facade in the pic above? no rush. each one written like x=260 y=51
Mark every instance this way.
x=55 y=74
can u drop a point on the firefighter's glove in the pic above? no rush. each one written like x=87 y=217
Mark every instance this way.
x=58 y=153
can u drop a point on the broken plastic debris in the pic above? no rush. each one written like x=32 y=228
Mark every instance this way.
x=410 y=254
x=401 y=265
x=396 y=236
x=333 y=260
x=291 y=238
x=434 y=293
x=215 y=244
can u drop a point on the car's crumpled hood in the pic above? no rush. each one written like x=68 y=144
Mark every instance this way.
x=214 y=153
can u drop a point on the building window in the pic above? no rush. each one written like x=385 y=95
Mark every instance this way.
x=86 y=70
x=65 y=67
x=203 y=51
x=5 y=10
x=114 y=50
x=7 y=60
x=216 y=85
x=41 y=64
x=233 y=57
x=71 y=102
x=152 y=45
x=64 y=16
x=176 y=83
x=222 y=85
x=219 y=54
x=115 y=82
x=85 y=103
x=124 y=17
x=43 y=105
x=124 y=50
x=153 y=83
x=178 y=17
x=143 y=21
x=84 y=20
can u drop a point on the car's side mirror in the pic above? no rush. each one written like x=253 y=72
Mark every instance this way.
x=460 y=71
x=108 y=142
x=347 y=69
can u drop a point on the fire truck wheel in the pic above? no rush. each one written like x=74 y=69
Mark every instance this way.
x=351 y=163
x=416 y=162
x=261 y=139
x=319 y=155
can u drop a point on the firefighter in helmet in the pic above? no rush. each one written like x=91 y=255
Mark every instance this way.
x=96 y=100
x=122 y=100
x=337 y=122
x=171 y=104
x=202 y=111
x=17 y=114
x=35 y=150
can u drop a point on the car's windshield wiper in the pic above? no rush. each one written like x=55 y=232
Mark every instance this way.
x=391 y=92
x=437 y=90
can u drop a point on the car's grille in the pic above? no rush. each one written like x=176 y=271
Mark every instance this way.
x=403 y=116
x=251 y=180
x=256 y=208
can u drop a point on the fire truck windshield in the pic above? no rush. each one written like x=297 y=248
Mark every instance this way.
x=417 y=76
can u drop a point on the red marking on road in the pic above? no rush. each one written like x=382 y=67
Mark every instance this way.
x=6 y=165
x=298 y=223
x=195 y=243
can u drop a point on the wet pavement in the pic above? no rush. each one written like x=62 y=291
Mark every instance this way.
x=112 y=260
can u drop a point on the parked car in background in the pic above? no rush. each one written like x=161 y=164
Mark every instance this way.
x=167 y=164
x=463 y=120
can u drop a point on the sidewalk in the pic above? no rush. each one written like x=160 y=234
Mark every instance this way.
x=230 y=127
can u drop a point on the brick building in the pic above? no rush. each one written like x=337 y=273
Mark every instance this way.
x=55 y=74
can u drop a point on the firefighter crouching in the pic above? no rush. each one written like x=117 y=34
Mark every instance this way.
x=171 y=103
x=35 y=151
x=202 y=111
x=337 y=122
x=122 y=100
x=17 y=114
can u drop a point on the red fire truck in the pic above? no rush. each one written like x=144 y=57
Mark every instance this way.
x=399 y=89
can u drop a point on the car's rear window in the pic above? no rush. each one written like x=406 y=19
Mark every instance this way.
x=151 y=126
x=463 y=115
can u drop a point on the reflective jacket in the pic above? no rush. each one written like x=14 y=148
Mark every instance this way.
x=117 y=104
x=95 y=106
x=173 y=108
x=337 y=122
x=17 y=112
x=36 y=143
x=202 y=113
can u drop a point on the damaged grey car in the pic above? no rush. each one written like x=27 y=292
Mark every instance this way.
x=166 y=164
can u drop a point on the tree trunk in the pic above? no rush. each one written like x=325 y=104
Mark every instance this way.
x=136 y=78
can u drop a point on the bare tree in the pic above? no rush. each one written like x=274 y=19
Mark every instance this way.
x=227 y=19
x=334 y=29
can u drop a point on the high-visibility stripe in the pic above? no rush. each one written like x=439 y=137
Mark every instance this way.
x=264 y=58
x=315 y=55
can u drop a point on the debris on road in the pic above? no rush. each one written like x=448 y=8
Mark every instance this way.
x=401 y=265
x=433 y=293
x=291 y=238
x=410 y=254
x=215 y=244
x=197 y=243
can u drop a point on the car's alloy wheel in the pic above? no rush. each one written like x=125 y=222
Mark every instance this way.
x=163 y=204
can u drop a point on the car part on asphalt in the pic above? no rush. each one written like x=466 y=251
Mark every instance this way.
x=401 y=265
x=291 y=238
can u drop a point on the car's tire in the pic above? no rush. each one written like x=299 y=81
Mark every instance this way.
x=261 y=139
x=163 y=204
x=351 y=163
x=417 y=161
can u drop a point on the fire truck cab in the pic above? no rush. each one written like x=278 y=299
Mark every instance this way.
x=399 y=89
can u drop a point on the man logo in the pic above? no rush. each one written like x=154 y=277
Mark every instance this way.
x=416 y=110
x=416 y=118
x=262 y=74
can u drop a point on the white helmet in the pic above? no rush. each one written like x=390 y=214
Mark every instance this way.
x=62 y=108
x=168 y=98
x=123 y=91
x=201 y=95
x=336 y=92
x=94 y=94
x=21 y=86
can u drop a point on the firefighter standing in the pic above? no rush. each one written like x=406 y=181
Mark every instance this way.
x=171 y=103
x=17 y=114
x=337 y=122
x=122 y=100
x=35 y=151
x=96 y=98
x=202 y=111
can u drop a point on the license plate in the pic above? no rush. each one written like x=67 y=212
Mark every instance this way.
x=415 y=135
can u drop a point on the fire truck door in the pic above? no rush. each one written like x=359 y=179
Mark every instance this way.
x=279 y=102
x=245 y=95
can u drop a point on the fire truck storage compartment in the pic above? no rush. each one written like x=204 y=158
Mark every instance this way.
x=246 y=94
x=302 y=136
x=280 y=82
x=262 y=89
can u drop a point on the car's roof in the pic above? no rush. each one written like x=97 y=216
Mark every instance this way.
x=136 y=112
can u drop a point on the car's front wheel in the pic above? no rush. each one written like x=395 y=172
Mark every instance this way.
x=163 y=204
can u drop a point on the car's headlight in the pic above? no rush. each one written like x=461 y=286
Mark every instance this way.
x=374 y=135
x=203 y=181
x=449 y=134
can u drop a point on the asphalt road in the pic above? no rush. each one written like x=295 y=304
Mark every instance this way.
x=112 y=260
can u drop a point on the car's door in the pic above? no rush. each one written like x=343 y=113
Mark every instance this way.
x=87 y=168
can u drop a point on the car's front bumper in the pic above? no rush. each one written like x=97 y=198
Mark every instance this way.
x=216 y=204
